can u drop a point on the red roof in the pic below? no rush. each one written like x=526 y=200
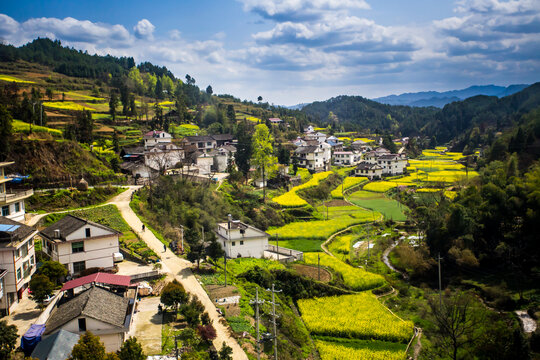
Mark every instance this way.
x=102 y=278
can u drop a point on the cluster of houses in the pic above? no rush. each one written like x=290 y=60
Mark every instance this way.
x=316 y=152
x=204 y=155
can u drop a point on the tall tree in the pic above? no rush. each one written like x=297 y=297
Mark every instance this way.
x=41 y=287
x=263 y=151
x=85 y=127
x=209 y=90
x=53 y=270
x=174 y=294
x=8 y=339
x=244 y=149
x=131 y=350
x=89 y=347
x=113 y=103
x=5 y=132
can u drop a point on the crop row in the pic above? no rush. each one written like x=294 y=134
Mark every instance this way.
x=367 y=350
x=359 y=316
x=355 y=278
x=348 y=183
x=321 y=229
x=291 y=198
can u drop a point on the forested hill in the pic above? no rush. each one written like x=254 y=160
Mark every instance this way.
x=363 y=113
x=454 y=121
x=71 y=62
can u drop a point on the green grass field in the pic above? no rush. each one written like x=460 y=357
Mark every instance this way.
x=390 y=208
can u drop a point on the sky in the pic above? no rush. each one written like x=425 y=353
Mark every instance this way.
x=297 y=51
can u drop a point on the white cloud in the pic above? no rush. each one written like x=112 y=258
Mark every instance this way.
x=144 y=29
x=283 y=10
x=175 y=34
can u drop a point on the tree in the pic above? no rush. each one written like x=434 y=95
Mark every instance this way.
x=85 y=127
x=49 y=93
x=196 y=252
x=207 y=332
x=231 y=114
x=8 y=339
x=174 y=294
x=225 y=352
x=41 y=287
x=214 y=250
x=116 y=144
x=389 y=144
x=131 y=350
x=260 y=98
x=263 y=152
x=6 y=130
x=53 y=270
x=284 y=155
x=456 y=323
x=209 y=90
x=113 y=103
x=244 y=149
x=89 y=347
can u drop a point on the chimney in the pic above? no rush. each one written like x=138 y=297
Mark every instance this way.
x=57 y=234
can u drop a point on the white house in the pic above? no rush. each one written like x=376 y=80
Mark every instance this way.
x=314 y=157
x=12 y=201
x=163 y=156
x=346 y=158
x=80 y=244
x=275 y=121
x=319 y=136
x=100 y=311
x=18 y=258
x=391 y=164
x=369 y=170
x=241 y=240
x=155 y=137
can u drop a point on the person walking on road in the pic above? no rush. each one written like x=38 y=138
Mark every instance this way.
x=164 y=248
x=143 y=227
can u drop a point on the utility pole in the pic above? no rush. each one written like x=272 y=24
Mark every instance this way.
x=182 y=232
x=277 y=245
x=257 y=302
x=229 y=244
x=274 y=316
x=319 y=266
x=440 y=287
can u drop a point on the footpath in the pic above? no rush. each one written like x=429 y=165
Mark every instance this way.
x=181 y=269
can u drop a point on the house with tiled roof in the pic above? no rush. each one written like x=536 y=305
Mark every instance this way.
x=17 y=258
x=12 y=200
x=314 y=157
x=80 y=244
x=104 y=313
x=154 y=137
x=369 y=170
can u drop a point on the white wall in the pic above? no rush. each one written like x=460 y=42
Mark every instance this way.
x=97 y=252
x=253 y=247
x=111 y=336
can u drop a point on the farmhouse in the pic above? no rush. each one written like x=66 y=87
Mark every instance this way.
x=163 y=156
x=17 y=258
x=369 y=170
x=241 y=240
x=314 y=157
x=12 y=201
x=80 y=244
x=346 y=158
x=104 y=313
x=275 y=121
x=155 y=137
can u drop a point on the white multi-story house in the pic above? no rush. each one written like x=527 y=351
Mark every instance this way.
x=241 y=240
x=369 y=170
x=314 y=157
x=346 y=158
x=12 y=201
x=80 y=244
x=163 y=156
x=105 y=314
x=155 y=137
x=391 y=164
x=17 y=257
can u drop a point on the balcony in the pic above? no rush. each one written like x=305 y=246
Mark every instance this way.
x=14 y=195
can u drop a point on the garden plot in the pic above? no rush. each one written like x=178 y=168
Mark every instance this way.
x=391 y=209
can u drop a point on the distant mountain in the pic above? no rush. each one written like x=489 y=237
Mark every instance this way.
x=297 y=106
x=439 y=99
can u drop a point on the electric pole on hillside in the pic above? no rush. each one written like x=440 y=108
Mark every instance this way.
x=274 y=316
x=277 y=246
x=319 y=266
x=257 y=302
x=440 y=287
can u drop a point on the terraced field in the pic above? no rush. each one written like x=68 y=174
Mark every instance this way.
x=390 y=208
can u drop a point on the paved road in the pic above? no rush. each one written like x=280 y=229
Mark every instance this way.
x=181 y=269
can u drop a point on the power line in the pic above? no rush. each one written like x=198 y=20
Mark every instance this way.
x=274 y=316
x=257 y=302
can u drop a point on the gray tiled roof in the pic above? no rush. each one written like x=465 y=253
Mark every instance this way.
x=306 y=149
x=9 y=238
x=58 y=346
x=69 y=224
x=95 y=303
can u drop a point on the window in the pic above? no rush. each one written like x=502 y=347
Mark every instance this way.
x=33 y=260
x=241 y=242
x=24 y=250
x=30 y=242
x=233 y=243
x=77 y=247
x=17 y=253
x=87 y=231
x=79 y=266
x=5 y=210
x=17 y=207
x=19 y=274
x=82 y=324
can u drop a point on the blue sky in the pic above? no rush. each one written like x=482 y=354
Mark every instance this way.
x=292 y=51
